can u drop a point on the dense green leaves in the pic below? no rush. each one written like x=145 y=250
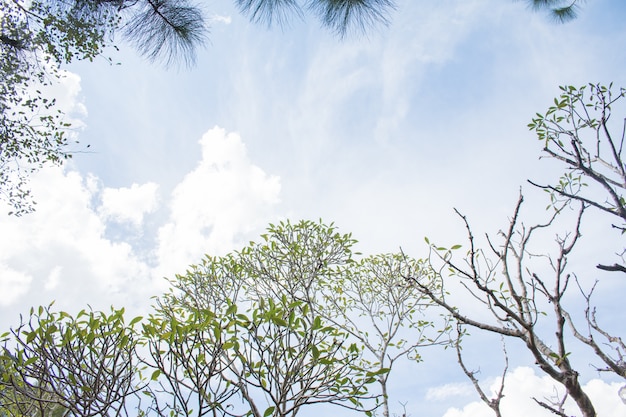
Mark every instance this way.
x=83 y=365
x=266 y=338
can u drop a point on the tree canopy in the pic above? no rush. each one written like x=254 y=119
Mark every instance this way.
x=251 y=333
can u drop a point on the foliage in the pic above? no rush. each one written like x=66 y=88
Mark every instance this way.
x=242 y=334
x=36 y=38
x=56 y=364
x=17 y=402
x=578 y=131
x=252 y=325
x=346 y=16
x=560 y=10
x=186 y=359
x=341 y=16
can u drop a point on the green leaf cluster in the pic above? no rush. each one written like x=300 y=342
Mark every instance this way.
x=58 y=364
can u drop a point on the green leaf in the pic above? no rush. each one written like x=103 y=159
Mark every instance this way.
x=228 y=345
x=279 y=321
x=316 y=352
x=269 y=411
x=232 y=309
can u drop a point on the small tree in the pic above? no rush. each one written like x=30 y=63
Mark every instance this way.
x=249 y=319
x=188 y=351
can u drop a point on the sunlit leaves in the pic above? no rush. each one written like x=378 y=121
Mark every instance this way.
x=243 y=334
x=85 y=364
x=253 y=317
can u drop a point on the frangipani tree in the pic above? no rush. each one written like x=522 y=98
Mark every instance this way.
x=59 y=365
x=521 y=284
x=251 y=322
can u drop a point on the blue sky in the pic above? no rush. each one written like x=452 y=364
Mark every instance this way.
x=382 y=134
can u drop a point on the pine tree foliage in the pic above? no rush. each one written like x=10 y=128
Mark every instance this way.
x=560 y=10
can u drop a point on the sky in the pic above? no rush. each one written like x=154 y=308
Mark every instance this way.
x=383 y=134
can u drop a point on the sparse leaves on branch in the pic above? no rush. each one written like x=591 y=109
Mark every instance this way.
x=519 y=284
x=580 y=132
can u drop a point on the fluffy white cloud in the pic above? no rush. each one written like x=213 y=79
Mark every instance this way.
x=13 y=284
x=67 y=93
x=224 y=197
x=53 y=278
x=522 y=384
x=129 y=204
x=62 y=252
x=449 y=390
x=63 y=249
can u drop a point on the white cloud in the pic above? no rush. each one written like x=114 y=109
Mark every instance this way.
x=449 y=390
x=62 y=252
x=67 y=94
x=63 y=248
x=221 y=19
x=522 y=384
x=53 y=278
x=224 y=197
x=13 y=284
x=129 y=204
